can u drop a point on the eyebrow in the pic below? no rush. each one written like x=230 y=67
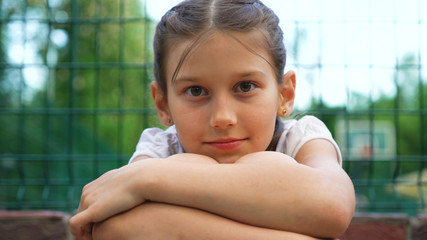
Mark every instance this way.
x=184 y=79
x=237 y=75
x=251 y=73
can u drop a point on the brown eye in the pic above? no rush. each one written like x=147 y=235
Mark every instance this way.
x=245 y=87
x=195 y=91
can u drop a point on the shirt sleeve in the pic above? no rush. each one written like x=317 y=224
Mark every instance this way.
x=157 y=143
x=304 y=130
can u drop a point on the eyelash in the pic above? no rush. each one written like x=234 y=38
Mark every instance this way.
x=252 y=86
x=188 y=91
x=204 y=92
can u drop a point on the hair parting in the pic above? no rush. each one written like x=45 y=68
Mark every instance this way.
x=193 y=19
x=196 y=20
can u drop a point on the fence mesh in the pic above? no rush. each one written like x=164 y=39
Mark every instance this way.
x=74 y=94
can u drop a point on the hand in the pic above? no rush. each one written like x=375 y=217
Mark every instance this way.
x=114 y=192
x=117 y=191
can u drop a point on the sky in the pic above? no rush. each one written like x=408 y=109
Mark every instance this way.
x=356 y=43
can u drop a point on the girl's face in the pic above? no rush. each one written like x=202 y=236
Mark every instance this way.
x=225 y=98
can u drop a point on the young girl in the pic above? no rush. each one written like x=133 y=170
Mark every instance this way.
x=227 y=167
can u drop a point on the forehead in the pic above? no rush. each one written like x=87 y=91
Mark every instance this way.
x=231 y=43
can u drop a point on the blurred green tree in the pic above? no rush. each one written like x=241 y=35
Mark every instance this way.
x=405 y=111
x=76 y=102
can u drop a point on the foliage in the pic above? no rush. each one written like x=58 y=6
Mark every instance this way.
x=92 y=61
x=379 y=181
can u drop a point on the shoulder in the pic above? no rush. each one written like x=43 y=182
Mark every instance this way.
x=298 y=132
x=309 y=125
x=158 y=143
x=159 y=135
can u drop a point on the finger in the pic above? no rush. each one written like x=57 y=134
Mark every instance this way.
x=80 y=224
x=83 y=232
x=72 y=225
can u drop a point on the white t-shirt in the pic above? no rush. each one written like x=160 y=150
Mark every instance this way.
x=158 y=143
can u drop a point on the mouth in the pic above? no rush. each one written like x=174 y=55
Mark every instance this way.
x=226 y=144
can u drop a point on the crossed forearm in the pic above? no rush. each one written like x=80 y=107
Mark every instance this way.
x=260 y=191
x=267 y=189
x=164 y=221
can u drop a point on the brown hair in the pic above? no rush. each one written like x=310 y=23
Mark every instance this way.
x=194 y=19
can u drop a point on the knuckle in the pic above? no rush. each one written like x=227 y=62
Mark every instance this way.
x=86 y=188
x=71 y=224
x=74 y=226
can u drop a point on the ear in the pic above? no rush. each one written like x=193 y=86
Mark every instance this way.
x=287 y=94
x=161 y=103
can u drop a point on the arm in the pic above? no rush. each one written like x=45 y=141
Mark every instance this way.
x=265 y=189
x=164 y=221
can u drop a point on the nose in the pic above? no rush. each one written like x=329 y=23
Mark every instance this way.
x=223 y=115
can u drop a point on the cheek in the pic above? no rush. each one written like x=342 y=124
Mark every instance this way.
x=262 y=110
x=188 y=118
x=262 y=127
x=261 y=119
x=190 y=126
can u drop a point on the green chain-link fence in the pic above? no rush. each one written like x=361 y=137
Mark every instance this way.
x=74 y=98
